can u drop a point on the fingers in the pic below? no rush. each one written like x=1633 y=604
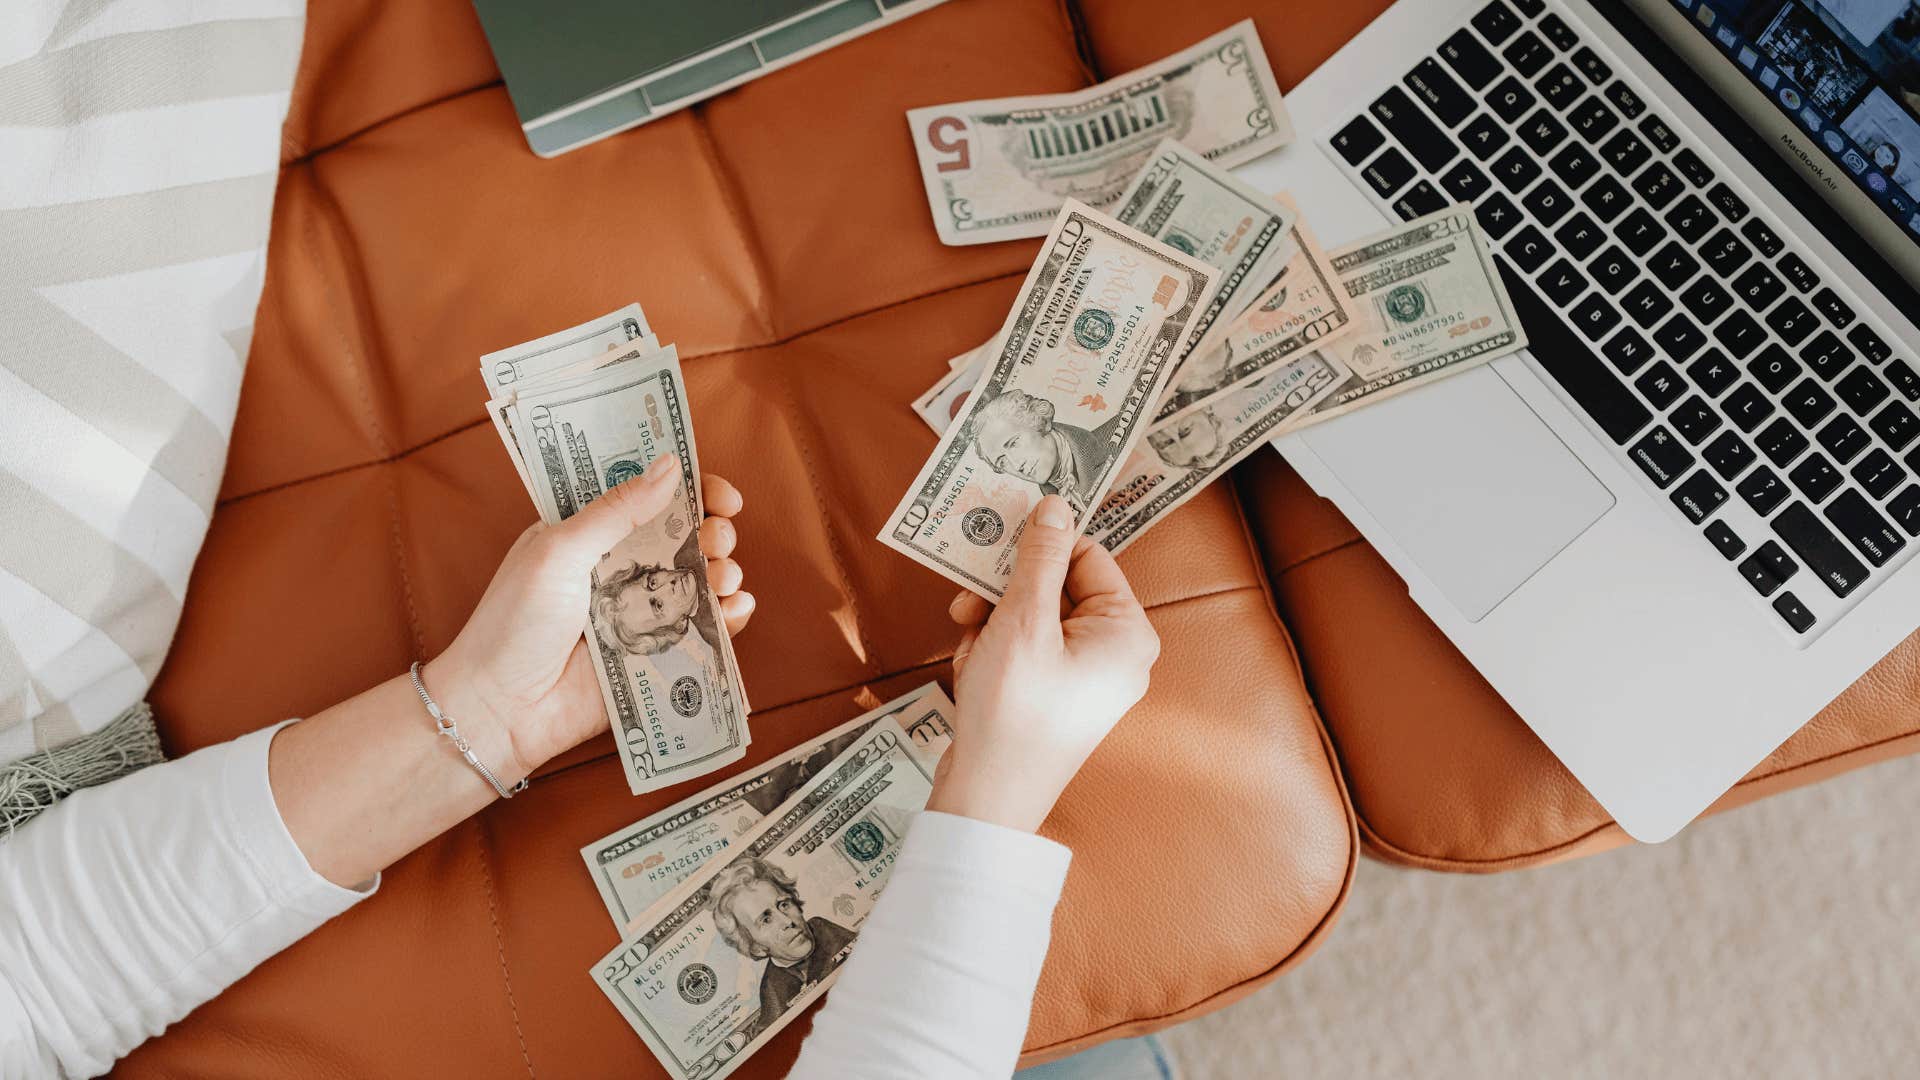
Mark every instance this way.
x=722 y=498
x=718 y=537
x=735 y=610
x=1040 y=568
x=969 y=609
x=965 y=649
x=725 y=576
x=606 y=521
x=1092 y=573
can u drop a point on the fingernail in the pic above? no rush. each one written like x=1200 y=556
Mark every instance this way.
x=1053 y=513
x=660 y=466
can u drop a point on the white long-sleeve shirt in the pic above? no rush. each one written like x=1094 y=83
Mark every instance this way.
x=127 y=905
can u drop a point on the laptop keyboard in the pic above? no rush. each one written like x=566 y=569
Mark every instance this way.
x=1714 y=357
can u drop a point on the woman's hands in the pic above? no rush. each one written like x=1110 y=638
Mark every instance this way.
x=1037 y=690
x=518 y=678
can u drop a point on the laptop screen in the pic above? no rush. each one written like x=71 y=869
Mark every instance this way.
x=1844 y=76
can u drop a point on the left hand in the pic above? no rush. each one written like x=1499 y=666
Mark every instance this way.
x=519 y=677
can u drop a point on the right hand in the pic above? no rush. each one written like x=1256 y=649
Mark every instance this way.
x=1037 y=691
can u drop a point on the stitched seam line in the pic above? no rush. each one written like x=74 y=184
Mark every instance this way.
x=735 y=202
x=307 y=156
x=1298 y=563
x=801 y=437
x=500 y=947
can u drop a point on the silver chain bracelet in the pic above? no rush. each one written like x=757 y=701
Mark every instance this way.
x=445 y=725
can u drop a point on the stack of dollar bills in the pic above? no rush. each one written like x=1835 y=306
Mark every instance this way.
x=737 y=906
x=1175 y=320
x=580 y=411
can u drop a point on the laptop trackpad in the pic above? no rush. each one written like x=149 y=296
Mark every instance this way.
x=1473 y=486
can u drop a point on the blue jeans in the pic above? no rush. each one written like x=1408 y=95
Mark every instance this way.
x=1123 y=1059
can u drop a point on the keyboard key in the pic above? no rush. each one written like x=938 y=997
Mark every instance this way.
x=1774 y=368
x=1815 y=477
x=1626 y=153
x=1420 y=200
x=1823 y=553
x=1574 y=166
x=1896 y=425
x=1358 y=140
x=1878 y=474
x=1516 y=169
x=1725 y=540
x=1527 y=54
x=1698 y=496
x=1606 y=198
x=1691 y=167
x=1483 y=137
x=1706 y=299
x=1809 y=403
x=1528 y=249
x=1729 y=455
x=1782 y=442
x=1690 y=218
x=1661 y=456
x=1905 y=509
x=1497 y=216
x=1869 y=344
x=1496 y=22
x=1438 y=91
x=1904 y=379
x=1828 y=303
x=1590 y=65
x=1592 y=119
x=1843 y=437
x=1661 y=384
x=1694 y=419
x=1869 y=533
x=1627 y=351
x=1579 y=236
x=1469 y=59
x=1647 y=303
x=1639 y=231
x=1562 y=283
x=1763 y=490
x=1826 y=354
x=1529 y=8
x=1730 y=205
x=1411 y=128
x=1594 y=317
x=1542 y=131
x=1558 y=32
x=1679 y=337
x=1387 y=173
x=1713 y=372
x=1725 y=253
x=1560 y=86
x=1674 y=265
x=1510 y=99
x=1796 y=270
x=1762 y=569
x=1762 y=238
x=1574 y=366
x=1625 y=99
x=1659 y=134
x=1797 y=617
x=1758 y=287
x=1547 y=202
x=1861 y=389
x=1613 y=270
x=1747 y=407
x=1658 y=186
x=1792 y=320
x=1739 y=333
x=1465 y=182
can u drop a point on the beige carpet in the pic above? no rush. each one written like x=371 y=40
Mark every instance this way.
x=1779 y=940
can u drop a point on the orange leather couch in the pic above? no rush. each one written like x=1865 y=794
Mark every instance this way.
x=780 y=235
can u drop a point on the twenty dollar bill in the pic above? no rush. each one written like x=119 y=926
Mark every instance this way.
x=999 y=169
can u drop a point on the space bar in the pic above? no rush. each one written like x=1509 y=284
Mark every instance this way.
x=1578 y=370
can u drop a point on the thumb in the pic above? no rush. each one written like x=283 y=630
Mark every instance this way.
x=603 y=523
x=1040 y=568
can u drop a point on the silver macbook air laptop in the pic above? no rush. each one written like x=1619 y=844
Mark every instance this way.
x=1685 y=518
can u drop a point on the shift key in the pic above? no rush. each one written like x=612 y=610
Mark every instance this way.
x=1421 y=136
x=1822 y=551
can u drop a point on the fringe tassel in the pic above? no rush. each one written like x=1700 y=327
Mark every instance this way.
x=34 y=783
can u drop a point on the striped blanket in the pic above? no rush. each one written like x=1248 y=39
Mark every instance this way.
x=139 y=146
